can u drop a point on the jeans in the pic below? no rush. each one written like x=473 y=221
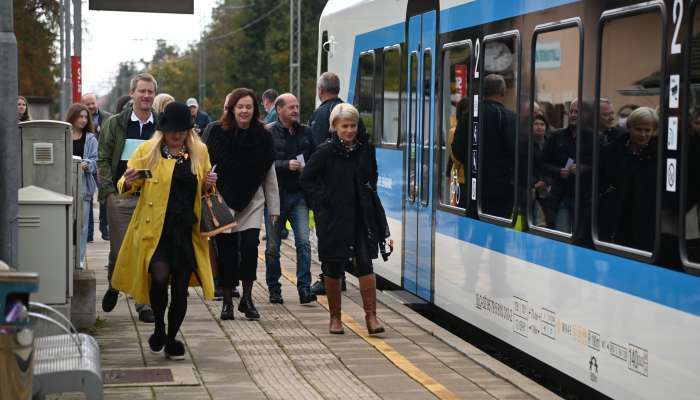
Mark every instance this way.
x=292 y=208
x=87 y=207
x=565 y=215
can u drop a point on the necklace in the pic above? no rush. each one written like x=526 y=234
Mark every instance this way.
x=180 y=157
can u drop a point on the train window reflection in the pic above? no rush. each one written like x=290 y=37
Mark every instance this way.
x=498 y=126
x=628 y=149
x=391 y=98
x=427 y=123
x=554 y=130
x=365 y=103
x=455 y=123
x=412 y=128
x=325 y=49
x=692 y=155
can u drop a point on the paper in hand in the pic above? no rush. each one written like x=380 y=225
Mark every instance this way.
x=300 y=158
x=569 y=163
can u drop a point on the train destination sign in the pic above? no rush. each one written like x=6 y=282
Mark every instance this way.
x=154 y=6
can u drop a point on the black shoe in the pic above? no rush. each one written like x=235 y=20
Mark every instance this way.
x=91 y=240
x=235 y=292
x=247 y=307
x=156 y=343
x=218 y=294
x=284 y=233
x=305 y=296
x=105 y=237
x=175 y=350
x=343 y=285
x=227 y=312
x=109 y=301
x=318 y=288
x=276 y=298
x=146 y=315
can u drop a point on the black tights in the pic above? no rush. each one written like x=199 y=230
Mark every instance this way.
x=161 y=275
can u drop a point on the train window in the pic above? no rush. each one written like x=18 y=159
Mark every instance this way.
x=412 y=127
x=427 y=123
x=456 y=62
x=554 y=113
x=498 y=127
x=690 y=186
x=626 y=211
x=325 y=49
x=391 y=102
x=365 y=103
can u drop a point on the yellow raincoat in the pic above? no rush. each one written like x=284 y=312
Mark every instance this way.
x=141 y=239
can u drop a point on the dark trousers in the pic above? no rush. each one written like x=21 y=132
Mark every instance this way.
x=104 y=225
x=91 y=224
x=238 y=256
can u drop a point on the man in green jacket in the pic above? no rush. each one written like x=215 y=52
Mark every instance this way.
x=120 y=136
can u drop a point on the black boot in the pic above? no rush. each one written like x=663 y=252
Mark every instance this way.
x=319 y=288
x=246 y=305
x=227 y=312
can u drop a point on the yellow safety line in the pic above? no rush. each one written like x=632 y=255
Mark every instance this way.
x=388 y=351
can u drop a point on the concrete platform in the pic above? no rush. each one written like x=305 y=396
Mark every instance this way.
x=289 y=353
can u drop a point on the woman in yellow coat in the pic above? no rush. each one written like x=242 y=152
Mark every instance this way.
x=163 y=244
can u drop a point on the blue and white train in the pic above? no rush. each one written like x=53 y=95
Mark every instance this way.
x=621 y=320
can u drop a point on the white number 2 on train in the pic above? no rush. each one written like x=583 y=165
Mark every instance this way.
x=677 y=19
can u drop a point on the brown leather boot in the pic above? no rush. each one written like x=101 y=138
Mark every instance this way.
x=333 y=294
x=368 y=290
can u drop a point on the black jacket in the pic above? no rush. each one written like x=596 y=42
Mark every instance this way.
x=338 y=185
x=630 y=198
x=288 y=147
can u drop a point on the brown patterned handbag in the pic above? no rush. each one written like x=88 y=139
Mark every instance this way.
x=216 y=216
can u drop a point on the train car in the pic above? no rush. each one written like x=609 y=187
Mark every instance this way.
x=583 y=255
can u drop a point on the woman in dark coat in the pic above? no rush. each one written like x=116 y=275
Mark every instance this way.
x=339 y=183
x=632 y=173
x=241 y=148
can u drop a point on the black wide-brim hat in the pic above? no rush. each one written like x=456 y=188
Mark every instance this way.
x=175 y=118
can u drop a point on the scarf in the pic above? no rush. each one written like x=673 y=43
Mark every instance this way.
x=243 y=160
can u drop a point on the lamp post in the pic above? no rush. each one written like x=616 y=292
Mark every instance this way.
x=9 y=140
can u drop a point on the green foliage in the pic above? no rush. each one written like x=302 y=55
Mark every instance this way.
x=246 y=45
x=36 y=26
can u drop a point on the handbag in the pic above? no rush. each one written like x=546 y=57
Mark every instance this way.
x=381 y=224
x=216 y=215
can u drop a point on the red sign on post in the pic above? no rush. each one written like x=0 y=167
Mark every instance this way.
x=76 y=77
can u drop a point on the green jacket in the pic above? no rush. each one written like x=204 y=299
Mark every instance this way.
x=109 y=151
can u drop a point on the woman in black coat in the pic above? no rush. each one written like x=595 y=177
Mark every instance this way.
x=631 y=170
x=339 y=183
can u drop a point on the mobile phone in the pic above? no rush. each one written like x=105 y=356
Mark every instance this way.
x=144 y=173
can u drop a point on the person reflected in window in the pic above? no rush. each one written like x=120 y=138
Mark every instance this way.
x=623 y=113
x=608 y=127
x=498 y=129
x=455 y=172
x=560 y=165
x=632 y=171
x=692 y=212
x=543 y=214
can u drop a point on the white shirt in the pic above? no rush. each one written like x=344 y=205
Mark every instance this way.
x=141 y=124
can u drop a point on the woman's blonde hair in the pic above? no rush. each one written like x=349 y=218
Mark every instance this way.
x=162 y=100
x=643 y=115
x=343 y=111
x=192 y=142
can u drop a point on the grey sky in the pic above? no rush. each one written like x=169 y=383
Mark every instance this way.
x=112 y=37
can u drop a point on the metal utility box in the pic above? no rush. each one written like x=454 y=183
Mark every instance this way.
x=45 y=242
x=46 y=156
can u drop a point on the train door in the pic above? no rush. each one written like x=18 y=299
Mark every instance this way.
x=417 y=276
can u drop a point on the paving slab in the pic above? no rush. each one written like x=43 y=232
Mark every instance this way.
x=289 y=354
